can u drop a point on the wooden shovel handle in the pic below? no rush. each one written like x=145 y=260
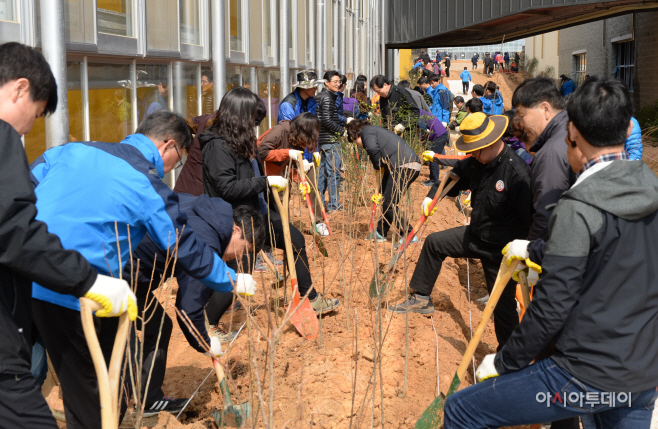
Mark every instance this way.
x=286 y=234
x=108 y=383
x=525 y=289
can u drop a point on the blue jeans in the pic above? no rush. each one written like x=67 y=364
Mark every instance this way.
x=329 y=176
x=39 y=362
x=529 y=396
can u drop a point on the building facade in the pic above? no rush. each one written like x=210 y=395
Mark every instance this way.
x=122 y=56
x=545 y=48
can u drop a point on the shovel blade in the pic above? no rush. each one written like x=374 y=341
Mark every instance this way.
x=431 y=417
x=384 y=286
x=240 y=413
x=320 y=244
x=306 y=321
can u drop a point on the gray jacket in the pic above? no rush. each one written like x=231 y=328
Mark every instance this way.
x=419 y=99
x=550 y=173
x=597 y=297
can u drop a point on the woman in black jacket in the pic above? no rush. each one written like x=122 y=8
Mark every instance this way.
x=232 y=170
x=401 y=166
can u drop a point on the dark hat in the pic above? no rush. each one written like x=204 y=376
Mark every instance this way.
x=479 y=131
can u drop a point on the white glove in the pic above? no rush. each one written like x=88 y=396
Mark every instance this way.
x=215 y=347
x=114 y=295
x=316 y=159
x=428 y=156
x=307 y=166
x=399 y=129
x=426 y=206
x=531 y=275
x=245 y=285
x=277 y=182
x=350 y=119
x=445 y=124
x=487 y=369
x=294 y=153
x=517 y=249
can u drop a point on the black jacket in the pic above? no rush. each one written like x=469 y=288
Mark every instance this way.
x=597 y=296
x=550 y=173
x=385 y=148
x=28 y=253
x=330 y=127
x=399 y=105
x=446 y=62
x=212 y=221
x=501 y=197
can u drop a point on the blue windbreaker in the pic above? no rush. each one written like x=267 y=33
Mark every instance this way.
x=465 y=75
x=440 y=99
x=487 y=105
x=495 y=104
x=633 y=144
x=568 y=87
x=291 y=107
x=83 y=188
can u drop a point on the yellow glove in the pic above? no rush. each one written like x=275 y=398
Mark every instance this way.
x=114 y=295
x=467 y=201
x=426 y=206
x=428 y=156
x=316 y=159
x=530 y=274
x=305 y=188
x=377 y=198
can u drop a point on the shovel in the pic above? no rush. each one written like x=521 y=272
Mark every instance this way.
x=271 y=266
x=240 y=412
x=303 y=317
x=378 y=186
x=319 y=197
x=304 y=182
x=431 y=417
x=108 y=383
x=383 y=274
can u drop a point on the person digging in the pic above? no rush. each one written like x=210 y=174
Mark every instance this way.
x=501 y=200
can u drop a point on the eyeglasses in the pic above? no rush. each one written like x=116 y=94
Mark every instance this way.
x=204 y=82
x=179 y=164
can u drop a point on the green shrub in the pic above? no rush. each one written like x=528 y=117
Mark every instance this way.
x=647 y=116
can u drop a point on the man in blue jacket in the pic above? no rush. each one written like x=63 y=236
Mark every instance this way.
x=466 y=80
x=440 y=100
x=633 y=144
x=301 y=99
x=101 y=199
x=229 y=233
x=494 y=95
x=478 y=92
x=568 y=85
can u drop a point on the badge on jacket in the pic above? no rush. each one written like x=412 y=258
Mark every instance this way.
x=500 y=186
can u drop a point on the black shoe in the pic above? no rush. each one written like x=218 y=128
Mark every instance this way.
x=168 y=404
x=428 y=183
x=414 y=304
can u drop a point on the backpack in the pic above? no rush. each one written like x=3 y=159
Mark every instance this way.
x=447 y=100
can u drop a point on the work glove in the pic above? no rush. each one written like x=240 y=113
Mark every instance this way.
x=350 y=119
x=294 y=153
x=307 y=165
x=277 y=182
x=377 y=198
x=114 y=295
x=305 y=188
x=399 y=129
x=428 y=156
x=245 y=285
x=316 y=158
x=467 y=201
x=531 y=275
x=425 y=207
x=517 y=249
x=215 y=347
x=487 y=369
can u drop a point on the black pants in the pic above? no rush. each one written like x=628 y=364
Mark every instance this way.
x=458 y=243
x=394 y=186
x=22 y=406
x=475 y=66
x=299 y=249
x=437 y=147
x=447 y=72
x=465 y=86
x=217 y=305
x=61 y=330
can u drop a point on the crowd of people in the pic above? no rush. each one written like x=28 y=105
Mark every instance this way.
x=556 y=182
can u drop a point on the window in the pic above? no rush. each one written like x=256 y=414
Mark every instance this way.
x=185 y=89
x=190 y=27
x=115 y=17
x=110 y=102
x=161 y=18
x=233 y=78
x=235 y=25
x=267 y=27
x=152 y=89
x=264 y=94
x=580 y=68
x=248 y=74
x=625 y=67
x=310 y=28
x=207 y=96
x=7 y=10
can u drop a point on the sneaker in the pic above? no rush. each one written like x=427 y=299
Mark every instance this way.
x=402 y=240
x=376 y=237
x=167 y=403
x=330 y=211
x=234 y=307
x=484 y=299
x=260 y=266
x=221 y=331
x=323 y=305
x=276 y=262
x=428 y=183
x=414 y=304
x=321 y=229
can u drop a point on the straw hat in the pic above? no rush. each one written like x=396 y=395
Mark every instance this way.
x=307 y=79
x=479 y=131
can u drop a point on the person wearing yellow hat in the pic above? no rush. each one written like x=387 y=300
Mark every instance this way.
x=501 y=199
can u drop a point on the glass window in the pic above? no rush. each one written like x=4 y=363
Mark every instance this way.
x=264 y=94
x=7 y=10
x=152 y=89
x=275 y=96
x=161 y=18
x=208 y=101
x=185 y=89
x=625 y=69
x=110 y=102
x=256 y=40
x=247 y=78
x=291 y=51
x=79 y=21
x=115 y=17
x=581 y=68
x=309 y=29
x=235 y=25
x=267 y=27
x=233 y=77
x=190 y=23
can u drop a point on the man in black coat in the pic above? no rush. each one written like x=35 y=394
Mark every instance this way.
x=396 y=103
x=446 y=63
x=27 y=251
